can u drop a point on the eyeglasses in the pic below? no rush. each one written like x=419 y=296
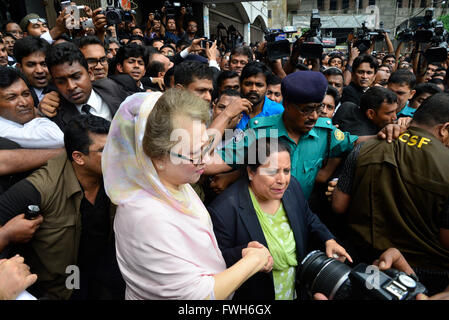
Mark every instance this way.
x=309 y=110
x=94 y=62
x=205 y=150
x=36 y=20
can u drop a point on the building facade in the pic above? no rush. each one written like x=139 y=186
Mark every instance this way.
x=344 y=14
x=248 y=18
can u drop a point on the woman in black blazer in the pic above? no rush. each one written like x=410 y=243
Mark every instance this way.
x=252 y=211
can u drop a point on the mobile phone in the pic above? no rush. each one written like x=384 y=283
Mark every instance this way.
x=87 y=24
x=65 y=4
x=204 y=42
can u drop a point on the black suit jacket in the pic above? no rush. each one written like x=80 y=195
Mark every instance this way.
x=236 y=224
x=350 y=118
x=352 y=93
x=112 y=90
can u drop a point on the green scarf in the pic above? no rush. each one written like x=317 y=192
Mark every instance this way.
x=284 y=254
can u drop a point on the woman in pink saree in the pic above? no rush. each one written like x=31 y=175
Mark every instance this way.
x=166 y=248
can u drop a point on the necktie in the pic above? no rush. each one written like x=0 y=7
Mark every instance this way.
x=86 y=108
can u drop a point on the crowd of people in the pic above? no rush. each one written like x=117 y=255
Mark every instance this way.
x=165 y=166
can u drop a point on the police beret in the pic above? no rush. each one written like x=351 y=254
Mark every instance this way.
x=304 y=87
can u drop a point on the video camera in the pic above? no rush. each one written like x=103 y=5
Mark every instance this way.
x=365 y=35
x=277 y=47
x=115 y=14
x=430 y=31
x=337 y=281
x=314 y=43
x=172 y=8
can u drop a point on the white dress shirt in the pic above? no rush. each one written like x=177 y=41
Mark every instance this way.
x=39 y=93
x=99 y=107
x=39 y=133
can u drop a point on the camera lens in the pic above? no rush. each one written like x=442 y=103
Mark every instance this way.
x=324 y=275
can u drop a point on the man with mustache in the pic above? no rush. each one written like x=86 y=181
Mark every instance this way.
x=18 y=121
x=76 y=92
x=363 y=74
x=311 y=139
x=253 y=84
x=26 y=141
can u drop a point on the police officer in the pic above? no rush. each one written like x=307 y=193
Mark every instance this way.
x=312 y=139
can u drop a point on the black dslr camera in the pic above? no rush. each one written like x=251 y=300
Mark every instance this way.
x=115 y=14
x=337 y=281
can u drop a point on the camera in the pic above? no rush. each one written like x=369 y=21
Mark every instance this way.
x=115 y=14
x=171 y=8
x=365 y=35
x=204 y=43
x=337 y=281
x=314 y=43
x=277 y=46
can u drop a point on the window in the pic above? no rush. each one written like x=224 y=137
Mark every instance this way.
x=333 y=5
x=320 y=4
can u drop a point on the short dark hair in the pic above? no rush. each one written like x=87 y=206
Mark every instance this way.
x=333 y=71
x=29 y=45
x=230 y=93
x=375 y=96
x=170 y=73
x=254 y=68
x=437 y=81
x=335 y=57
x=365 y=58
x=9 y=34
x=65 y=52
x=8 y=76
x=434 y=110
x=403 y=76
x=425 y=87
x=242 y=51
x=181 y=43
x=273 y=79
x=154 y=67
x=6 y=24
x=254 y=159
x=76 y=133
x=388 y=56
x=188 y=71
x=167 y=46
x=225 y=74
x=332 y=91
x=85 y=41
x=131 y=50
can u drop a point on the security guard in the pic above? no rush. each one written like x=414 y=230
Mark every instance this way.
x=396 y=193
x=312 y=139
